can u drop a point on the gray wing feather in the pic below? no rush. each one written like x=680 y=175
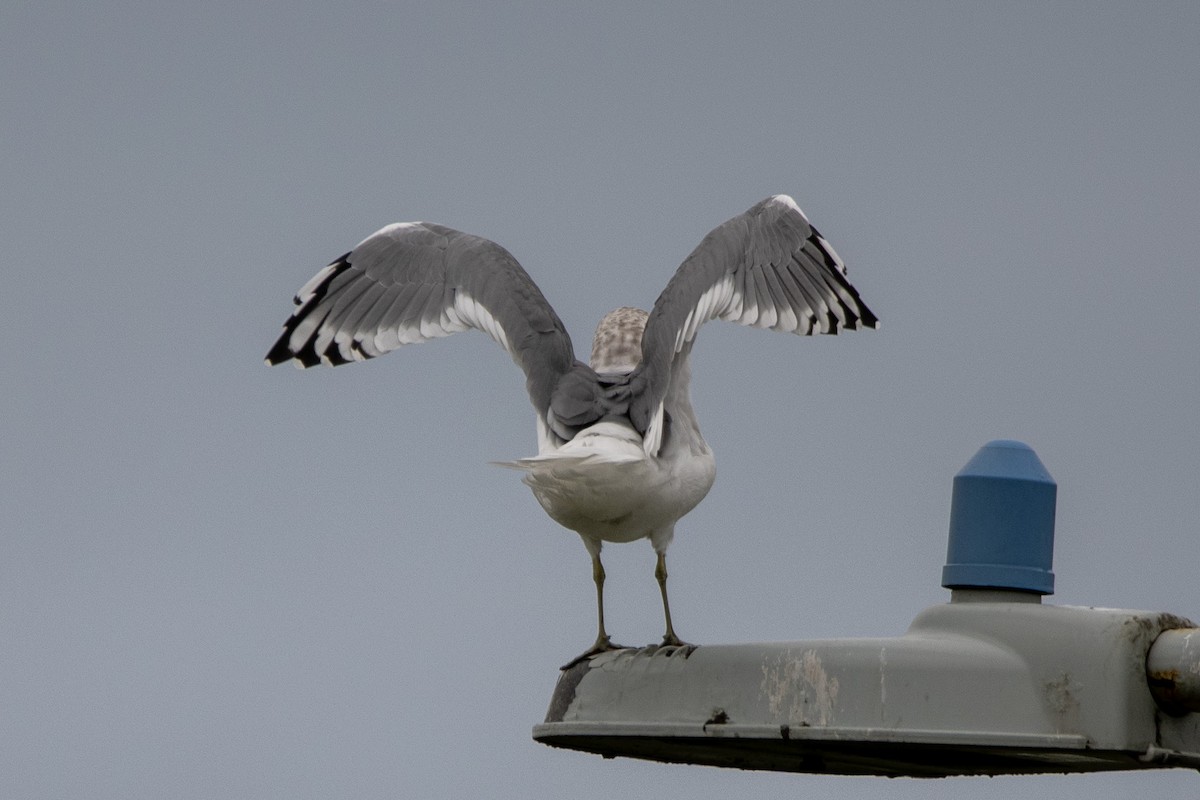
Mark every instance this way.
x=411 y=282
x=766 y=268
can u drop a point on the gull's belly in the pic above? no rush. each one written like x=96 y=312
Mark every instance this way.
x=621 y=501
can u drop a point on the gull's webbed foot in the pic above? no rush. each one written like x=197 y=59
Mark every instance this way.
x=602 y=645
x=671 y=640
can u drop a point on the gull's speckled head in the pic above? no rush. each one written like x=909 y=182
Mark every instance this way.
x=617 y=347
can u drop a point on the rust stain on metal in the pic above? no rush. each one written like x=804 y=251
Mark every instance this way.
x=1167 y=692
x=1173 y=671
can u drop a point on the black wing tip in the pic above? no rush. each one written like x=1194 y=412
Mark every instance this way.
x=860 y=316
x=278 y=354
x=307 y=356
x=282 y=352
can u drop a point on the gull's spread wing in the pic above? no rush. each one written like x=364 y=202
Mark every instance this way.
x=414 y=281
x=767 y=268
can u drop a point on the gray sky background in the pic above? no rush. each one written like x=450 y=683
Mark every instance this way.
x=222 y=580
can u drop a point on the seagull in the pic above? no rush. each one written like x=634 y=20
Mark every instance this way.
x=620 y=455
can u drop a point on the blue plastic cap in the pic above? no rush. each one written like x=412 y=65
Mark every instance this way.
x=1002 y=522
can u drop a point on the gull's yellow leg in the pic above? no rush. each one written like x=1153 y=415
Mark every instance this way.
x=660 y=573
